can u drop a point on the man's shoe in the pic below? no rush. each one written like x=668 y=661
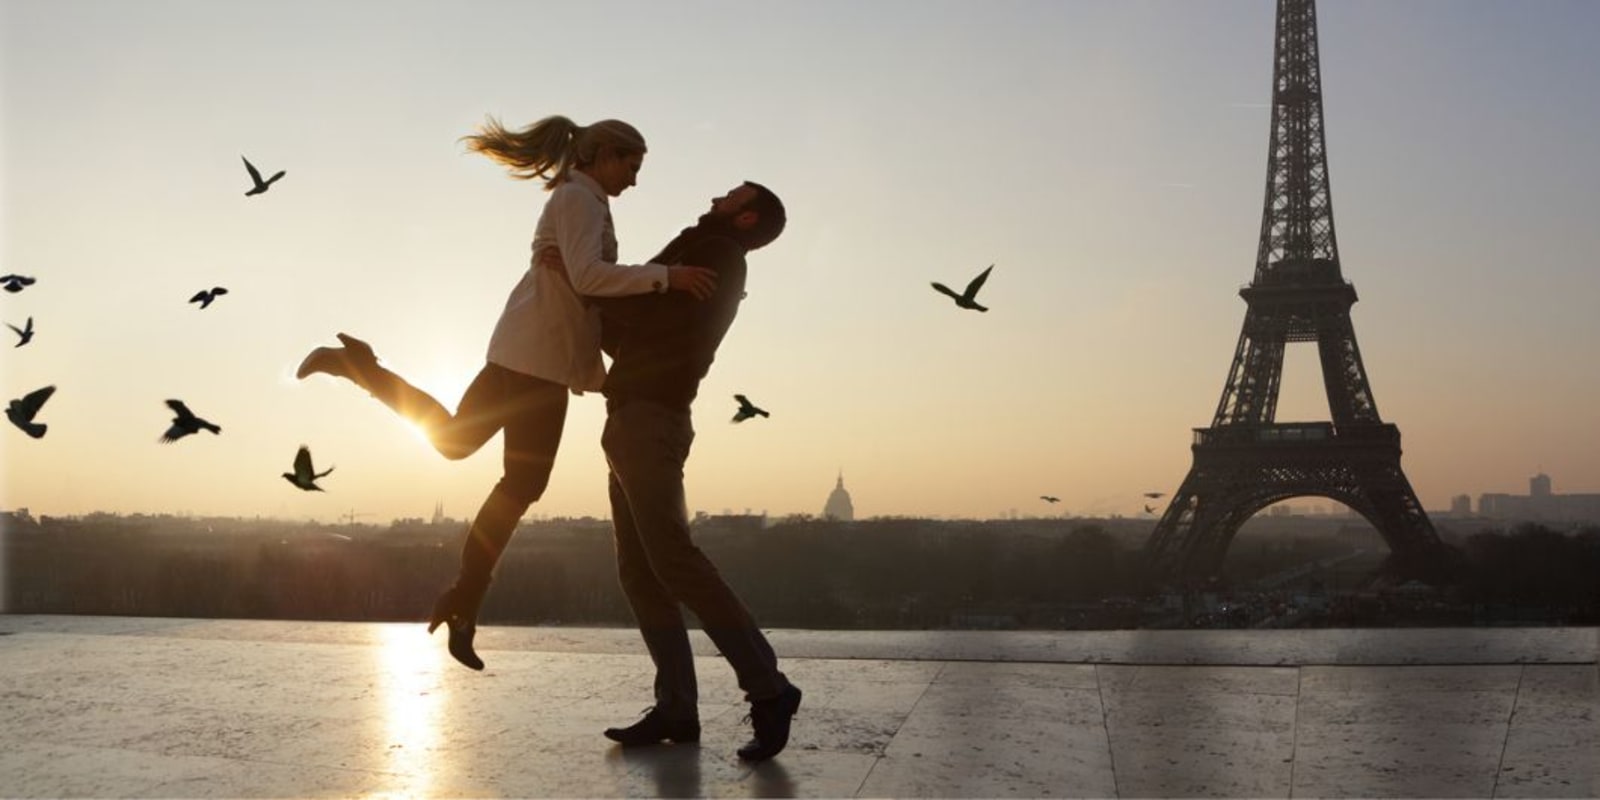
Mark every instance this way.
x=770 y=719
x=655 y=729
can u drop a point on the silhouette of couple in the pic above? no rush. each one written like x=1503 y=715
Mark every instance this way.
x=661 y=323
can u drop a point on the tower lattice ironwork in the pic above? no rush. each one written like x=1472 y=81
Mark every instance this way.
x=1247 y=460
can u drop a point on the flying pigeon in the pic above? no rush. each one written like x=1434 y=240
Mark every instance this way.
x=184 y=423
x=205 y=296
x=255 y=176
x=1149 y=510
x=21 y=412
x=15 y=283
x=968 y=298
x=1155 y=495
x=1049 y=498
x=304 y=476
x=746 y=409
x=25 y=333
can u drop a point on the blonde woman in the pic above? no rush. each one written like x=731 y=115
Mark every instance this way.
x=546 y=342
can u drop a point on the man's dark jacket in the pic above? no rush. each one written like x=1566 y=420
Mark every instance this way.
x=662 y=345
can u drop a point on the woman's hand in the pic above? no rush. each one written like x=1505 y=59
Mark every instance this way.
x=698 y=281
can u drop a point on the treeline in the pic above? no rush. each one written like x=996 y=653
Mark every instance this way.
x=1536 y=567
x=807 y=573
x=800 y=573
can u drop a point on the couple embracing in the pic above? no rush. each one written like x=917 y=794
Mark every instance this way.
x=661 y=323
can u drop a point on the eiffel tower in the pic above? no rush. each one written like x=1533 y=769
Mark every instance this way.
x=1247 y=460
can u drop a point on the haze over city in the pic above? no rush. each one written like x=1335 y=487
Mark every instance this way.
x=1106 y=156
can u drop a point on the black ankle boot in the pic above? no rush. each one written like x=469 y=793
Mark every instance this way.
x=458 y=609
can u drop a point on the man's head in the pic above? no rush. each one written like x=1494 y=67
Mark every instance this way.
x=755 y=214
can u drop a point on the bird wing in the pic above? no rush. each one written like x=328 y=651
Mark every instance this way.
x=255 y=175
x=280 y=173
x=173 y=434
x=218 y=291
x=183 y=412
x=302 y=464
x=34 y=400
x=15 y=328
x=943 y=289
x=322 y=474
x=744 y=402
x=200 y=296
x=977 y=283
x=28 y=328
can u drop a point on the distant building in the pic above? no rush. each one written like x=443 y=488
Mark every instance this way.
x=839 y=506
x=1539 y=485
x=1461 y=506
x=1541 y=504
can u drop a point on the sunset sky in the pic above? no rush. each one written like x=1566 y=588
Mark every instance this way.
x=1107 y=156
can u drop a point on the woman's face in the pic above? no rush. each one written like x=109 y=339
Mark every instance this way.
x=615 y=172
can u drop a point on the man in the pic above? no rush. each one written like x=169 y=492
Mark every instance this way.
x=661 y=347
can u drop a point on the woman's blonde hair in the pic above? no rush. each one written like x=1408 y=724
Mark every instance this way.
x=551 y=147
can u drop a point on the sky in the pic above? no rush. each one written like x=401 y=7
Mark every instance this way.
x=1106 y=156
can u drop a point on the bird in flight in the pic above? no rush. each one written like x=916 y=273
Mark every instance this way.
x=1049 y=498
x=304 y=476
x=16 y=283
x=24 y=333
x=255 y=176
x=205 y=296
x=185 y=423
x=747 y=409
x=1149 y=510
x=22 y=411
x=968 y=298
x=1155 y=495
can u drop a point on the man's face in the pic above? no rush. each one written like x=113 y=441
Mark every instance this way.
x=729 y=205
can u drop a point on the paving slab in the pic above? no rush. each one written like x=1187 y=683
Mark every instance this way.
x=129 y=707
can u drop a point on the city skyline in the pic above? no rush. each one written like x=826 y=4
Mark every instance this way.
x=1107 y=158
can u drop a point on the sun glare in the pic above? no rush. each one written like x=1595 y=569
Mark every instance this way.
x=410 y=676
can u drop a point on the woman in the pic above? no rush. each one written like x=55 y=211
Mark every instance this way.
x=546 y=342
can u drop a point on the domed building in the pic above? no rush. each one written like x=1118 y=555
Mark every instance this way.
x=839 y=506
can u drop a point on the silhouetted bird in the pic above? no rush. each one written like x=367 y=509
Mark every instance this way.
x=255 y=176
x=968 y=298
x=1149 y=510
x=205 y=296
x=1049 y=498
x=15 y=283
x=746 y=409
x=184 y=423
x=21 y=412
x=304 y=476
x=25 y=333
x=1155 y=495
